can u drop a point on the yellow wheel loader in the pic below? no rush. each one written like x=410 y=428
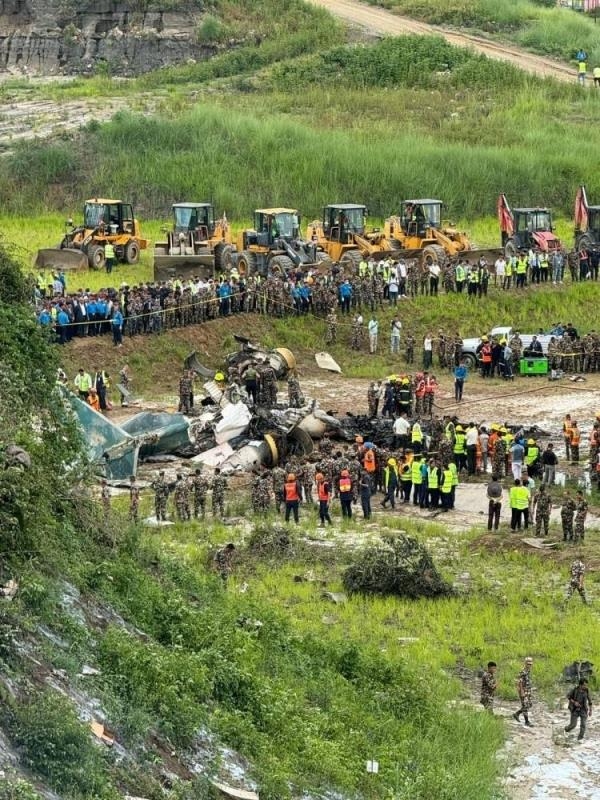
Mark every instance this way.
x=104 y=221
x=197 y=244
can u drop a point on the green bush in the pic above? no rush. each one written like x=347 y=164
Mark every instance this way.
x=211 y=30
x=17 y=790
x=58 y=746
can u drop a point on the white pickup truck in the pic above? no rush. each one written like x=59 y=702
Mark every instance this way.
x=469 y=348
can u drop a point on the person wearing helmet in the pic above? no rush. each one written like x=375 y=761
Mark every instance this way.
x=532 y=457
x=324 y=495
x=292 y=493
x=345 y=492
x=390 y=483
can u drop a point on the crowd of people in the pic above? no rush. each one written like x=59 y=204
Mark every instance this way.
x=154 y=307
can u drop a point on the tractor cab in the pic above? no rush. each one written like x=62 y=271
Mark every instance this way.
x=529 y=221
x=341 y=222
x=111 y=216
x=593 y=225
x=419 y=215
x=272 y=224
x=195 y=218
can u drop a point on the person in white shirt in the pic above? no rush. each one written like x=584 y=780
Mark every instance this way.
x=396 y=327
x=434 y=278
x=401 y=430
x=500 y=271
x=373 y=332
x=427 y=351
x=471 y=439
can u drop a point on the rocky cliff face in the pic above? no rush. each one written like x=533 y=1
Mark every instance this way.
x=53 y=37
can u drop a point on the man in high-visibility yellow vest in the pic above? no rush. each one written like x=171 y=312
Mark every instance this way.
x=519 y=505
x=109 y=257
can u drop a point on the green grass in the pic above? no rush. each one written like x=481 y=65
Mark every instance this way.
x=451 y=127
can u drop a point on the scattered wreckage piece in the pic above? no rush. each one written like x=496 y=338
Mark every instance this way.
x=325 y=361
x=231 y=791
x=159 y=431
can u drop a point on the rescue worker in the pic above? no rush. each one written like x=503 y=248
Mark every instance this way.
x=390 y=483
x=542 y=504
x=324 y=497
x=365 y=494
x=532 y=458
x=575 y=442
x=460 y=448
x=345 y=491
x=576 y=580
x=524 y=688
x=292 y=492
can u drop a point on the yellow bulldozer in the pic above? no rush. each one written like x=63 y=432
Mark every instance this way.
x=418 y=233
x=342 y=235
x=274 y=246
x=197 y=244
x=104 y=221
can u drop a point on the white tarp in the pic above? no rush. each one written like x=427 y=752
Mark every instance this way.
x=325 y=361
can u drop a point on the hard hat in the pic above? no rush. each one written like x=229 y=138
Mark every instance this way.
x=494 y=426
x=291 y=477
x=530 y=441
x=458 y=428
x=392 y=462
x=319 y=476
x=405 y=381
x=484 y=338
x=503 y=430
x=219 y=377
x=344 y=473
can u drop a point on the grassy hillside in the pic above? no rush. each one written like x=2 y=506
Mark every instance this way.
x=536 y=25
x=371 y=123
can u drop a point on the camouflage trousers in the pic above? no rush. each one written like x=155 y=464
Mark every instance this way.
x=199 y=504
x=218 y=505
x=487 y=701
x=575 y=587
x=160 y=507
x=183 y=510
x=134 y=511
x=567 y=526
x=539 y=519
x=498 y=466
x=578 y=530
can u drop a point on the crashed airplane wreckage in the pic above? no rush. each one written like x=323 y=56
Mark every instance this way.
x=232 y=435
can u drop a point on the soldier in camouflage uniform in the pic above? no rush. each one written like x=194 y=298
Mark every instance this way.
x=357 y=333
x=134 y=499
x=181 y=497
x=199 y=488
x=161 y=493
x=499 y=457
x=105 y=494
x=223 y=561
x=373 y=399
x=441 y=344
x=489 y=684
x=542 y=504
x=307 y=477
x=409 y=343
x=185 y=392
x=567 y=513
x=516 y=345
x=458 y=345
x=218 y=486
x=576 y=580
x=581 y=509
x=524 y=688
x=295 y=396
x=378 y=290
x=331 y=334
x=256 y=489
x=278 y=481
x=268 y=387
x=553 y=357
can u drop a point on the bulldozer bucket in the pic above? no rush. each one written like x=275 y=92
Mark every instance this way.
x=55 y=258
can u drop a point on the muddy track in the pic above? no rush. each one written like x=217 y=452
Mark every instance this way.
x=380 y=21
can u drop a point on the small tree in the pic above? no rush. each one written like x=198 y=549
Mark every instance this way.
x=398 y=566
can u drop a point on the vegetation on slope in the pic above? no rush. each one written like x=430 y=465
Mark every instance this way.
x=373 y=123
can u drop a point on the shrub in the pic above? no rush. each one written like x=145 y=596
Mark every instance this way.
x=211 y=30
x=400 y=566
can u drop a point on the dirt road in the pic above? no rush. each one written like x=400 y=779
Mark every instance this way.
x=380 y=21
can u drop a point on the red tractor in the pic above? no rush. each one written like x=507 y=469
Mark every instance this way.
x=525 y=229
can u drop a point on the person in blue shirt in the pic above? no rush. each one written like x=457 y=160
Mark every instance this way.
x=62 y=326
x=45 y=317
x=297 y=299
x=117 y=326
x=460 y=376
x=305 y=294
x=92 y=309
x=224 y=293
x=345 y=296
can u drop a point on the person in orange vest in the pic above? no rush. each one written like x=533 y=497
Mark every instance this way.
x=567 y=435
x=575 y=441
x=345 y=490
x=370 y=466
x=419 y=394
x=486 y=360
x=93 y=399
x=324 y=495
x=291 y=493
x=429 y=390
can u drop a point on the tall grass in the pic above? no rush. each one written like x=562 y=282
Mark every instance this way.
x=355 y=133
